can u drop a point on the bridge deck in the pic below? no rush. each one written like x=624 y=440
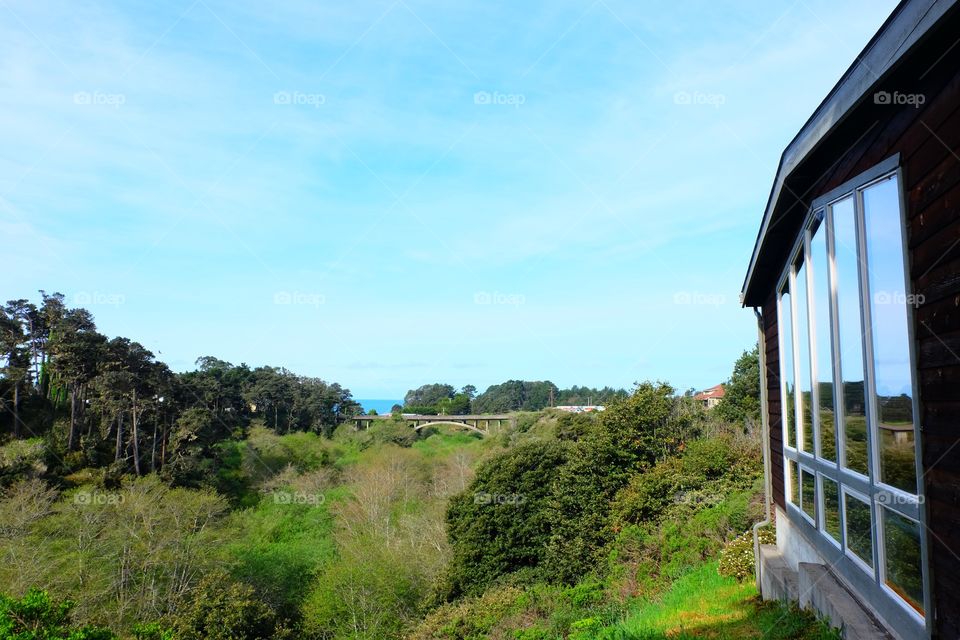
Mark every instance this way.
x=417 y=416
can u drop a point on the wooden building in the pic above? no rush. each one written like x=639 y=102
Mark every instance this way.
x=855 y=281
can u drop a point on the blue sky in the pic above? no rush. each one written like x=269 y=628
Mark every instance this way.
x=389 y=193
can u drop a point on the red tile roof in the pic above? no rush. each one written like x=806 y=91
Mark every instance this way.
x=712 y=392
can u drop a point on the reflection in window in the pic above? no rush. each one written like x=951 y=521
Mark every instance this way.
x=891 y=337
x=854 y=415
x=820 y=317
x=804 y=390
x=786 y=366
x=831 y=508
x=901 y=543
x=859 y=523
x=794 y=481
x=808 y=493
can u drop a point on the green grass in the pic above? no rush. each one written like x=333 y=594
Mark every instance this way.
x=704 y=604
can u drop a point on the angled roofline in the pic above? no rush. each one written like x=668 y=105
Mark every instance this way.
x=906 y=25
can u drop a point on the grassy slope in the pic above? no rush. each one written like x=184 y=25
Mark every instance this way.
x=703 y=604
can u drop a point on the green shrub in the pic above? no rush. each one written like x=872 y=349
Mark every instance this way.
x=21 y=459
x=226 y=610
x=374 y=593
x=500 y=525
x=153 y=631
x=278 y=546
x=393 y=432
x=736 y=557
x=472 y=618
x=37 y=617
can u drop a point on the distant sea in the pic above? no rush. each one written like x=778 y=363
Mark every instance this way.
x=380 y=405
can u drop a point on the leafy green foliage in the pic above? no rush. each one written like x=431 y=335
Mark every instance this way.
x=741 y=400
x=37 y=617
x=736 y=558
x=280 y=546
x=372 y=594
x=224 y=610
x=627 y=438
x=500 y=524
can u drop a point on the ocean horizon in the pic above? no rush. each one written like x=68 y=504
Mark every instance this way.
x=380 y=405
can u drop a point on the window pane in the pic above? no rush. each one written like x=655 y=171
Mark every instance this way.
x=901 y=541
x=820 y=316
x=804 y=390
x=859 y=523
x=786 y=369
x=794 y=482
x=831 y=508
x=808 y=493
x=853 y=414
x=891 y=337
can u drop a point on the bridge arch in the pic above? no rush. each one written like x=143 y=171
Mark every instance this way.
x=438 y=423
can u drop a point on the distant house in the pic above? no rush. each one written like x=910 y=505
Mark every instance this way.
x=854 y=281
x=580 y=408
x=711 y=397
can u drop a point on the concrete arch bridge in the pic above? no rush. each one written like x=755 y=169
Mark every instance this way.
x=484 y=424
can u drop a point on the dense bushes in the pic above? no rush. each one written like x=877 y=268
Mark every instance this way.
x=705 y=472
x=500 y=524
x=37 y=617
x=225 y=610
x=559 y=527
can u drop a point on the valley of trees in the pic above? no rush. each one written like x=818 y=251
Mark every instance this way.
x=231 y=503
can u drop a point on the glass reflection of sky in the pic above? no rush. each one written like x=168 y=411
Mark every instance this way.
x=887 y=289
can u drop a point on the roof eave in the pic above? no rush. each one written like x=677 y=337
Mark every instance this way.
x=909 y=22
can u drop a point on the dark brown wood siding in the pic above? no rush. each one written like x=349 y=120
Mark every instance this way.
x=928 y=141
x=771 y=360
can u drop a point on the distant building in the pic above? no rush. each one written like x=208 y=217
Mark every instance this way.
x=580 y=408
x=711 y=397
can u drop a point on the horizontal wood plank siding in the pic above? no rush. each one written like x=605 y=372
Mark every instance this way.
x=771 y=359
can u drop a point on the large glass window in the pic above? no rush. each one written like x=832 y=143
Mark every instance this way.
x=808 y=493
x=892 y=368
x=831 y=508
x=794 y=482
x=804 y=388
x=904 y=572
x=786 y=368
x=859 y=519
x=821 y=334
x=849 y=386
x=853 y=404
